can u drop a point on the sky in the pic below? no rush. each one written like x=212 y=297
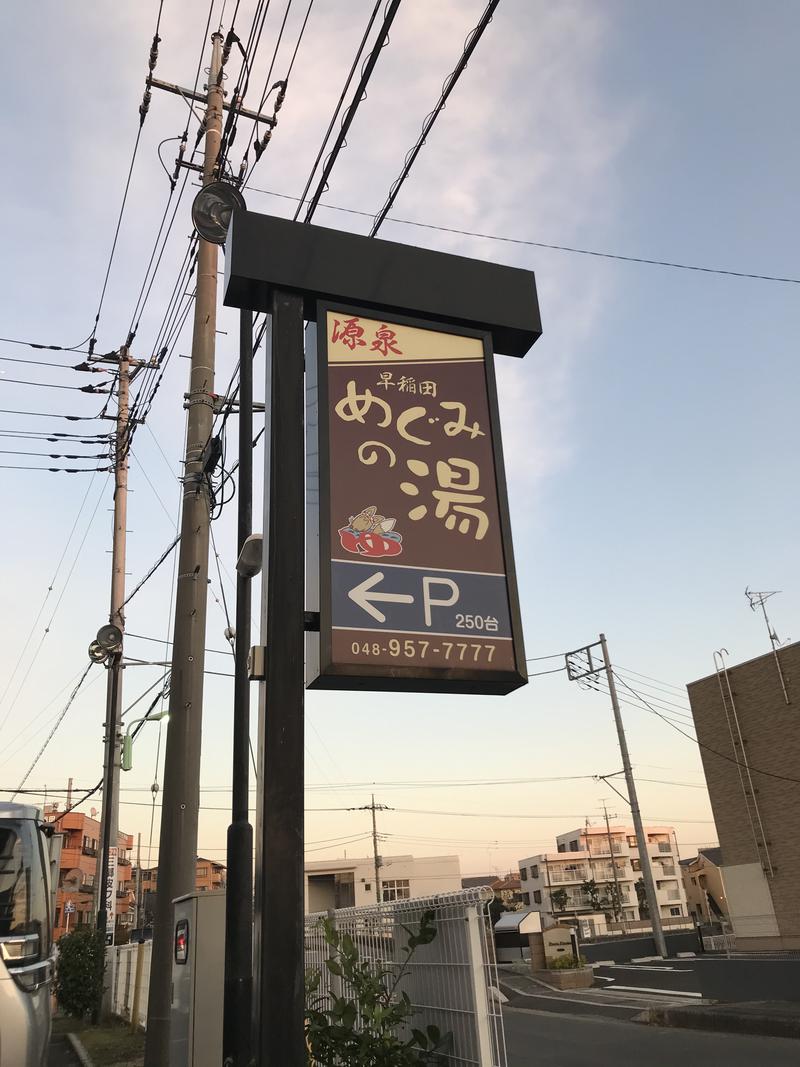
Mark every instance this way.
x=648 y=434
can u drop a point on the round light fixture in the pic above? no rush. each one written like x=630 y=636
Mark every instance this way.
x=212 y=210
x=96 y=652
x=110 y=638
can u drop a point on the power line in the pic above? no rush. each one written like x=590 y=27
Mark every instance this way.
x=358 y=96
x=700 y=744
x=60 y=719
x=51 y=385
x=537 y=244
x=450 y=83
x=49 y=415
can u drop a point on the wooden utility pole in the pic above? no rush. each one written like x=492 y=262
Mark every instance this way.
x=180 y=804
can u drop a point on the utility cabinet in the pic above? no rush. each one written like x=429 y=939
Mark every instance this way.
x=198 y=975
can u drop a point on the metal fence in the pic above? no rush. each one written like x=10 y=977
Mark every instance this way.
x=122 y=973
x=451 y=982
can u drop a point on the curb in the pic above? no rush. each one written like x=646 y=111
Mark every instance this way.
x=721 y=1021
x=79 y=1050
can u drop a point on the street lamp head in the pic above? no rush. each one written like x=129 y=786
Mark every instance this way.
x=248 y=565
x=97 y=654
x=109 y=638
x=212 y=210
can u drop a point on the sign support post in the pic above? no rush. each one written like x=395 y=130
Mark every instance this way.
x=279 y=1007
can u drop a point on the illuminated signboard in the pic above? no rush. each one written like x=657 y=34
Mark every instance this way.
x=417 y=583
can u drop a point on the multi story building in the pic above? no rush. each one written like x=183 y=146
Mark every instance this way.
x=704 y=887
x=746 y=721
x=75 y=902
x=209 y=876
x=552 y=883
x=343 y=883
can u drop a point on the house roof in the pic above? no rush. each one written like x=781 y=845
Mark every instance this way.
x=510 y=882
x=713 y=855
x=473 y=881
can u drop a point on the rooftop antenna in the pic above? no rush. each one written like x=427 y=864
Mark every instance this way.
x=759 y=600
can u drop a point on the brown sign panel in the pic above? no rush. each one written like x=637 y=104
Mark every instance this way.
x=417 y=584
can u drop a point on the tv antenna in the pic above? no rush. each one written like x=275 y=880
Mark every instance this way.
x=759 y=600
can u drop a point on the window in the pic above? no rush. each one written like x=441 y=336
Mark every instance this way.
x=58 y=917
x=88 y=879
x=367 y=887
x=674 y=911
x=396 y=889
x=526 y=898
x=636 y=864
x=202 y=872
x=631 y=841
x=535 y=871
x=574 y=846
x=537 y=896
x=694 y=881
x=562 y=847
x=523 y=874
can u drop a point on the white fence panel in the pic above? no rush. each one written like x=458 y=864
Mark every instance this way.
x=448 y=981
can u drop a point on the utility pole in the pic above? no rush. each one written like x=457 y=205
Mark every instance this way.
x=180 y=804
x=618 y=903
x=585 y=663
x=375 y=855
x=138 y=881
x=238 y=988
x=113 y=719
x=641 y=839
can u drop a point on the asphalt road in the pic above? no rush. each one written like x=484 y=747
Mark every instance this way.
x=537 y=1038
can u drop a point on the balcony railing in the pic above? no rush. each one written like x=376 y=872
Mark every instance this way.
x=558 y=876
x=602 y=849
x=87 y=850
x=665 y=870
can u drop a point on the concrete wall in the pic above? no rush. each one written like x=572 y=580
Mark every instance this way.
x=622 y=949
x=426 y=875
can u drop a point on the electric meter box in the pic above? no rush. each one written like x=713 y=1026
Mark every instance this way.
x=198 y=976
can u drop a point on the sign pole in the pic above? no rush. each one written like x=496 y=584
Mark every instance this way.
x=279 y=973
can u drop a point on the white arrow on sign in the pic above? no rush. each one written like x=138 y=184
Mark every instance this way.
x=362 y=596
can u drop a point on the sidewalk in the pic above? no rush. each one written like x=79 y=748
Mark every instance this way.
x=761 y=1018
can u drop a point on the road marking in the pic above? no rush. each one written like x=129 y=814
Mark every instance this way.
x=362 y=596
x=646 y=989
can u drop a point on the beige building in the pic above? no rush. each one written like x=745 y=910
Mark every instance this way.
x=344 y=883
x=703 y=886
x=746 y=717
x=552 y=882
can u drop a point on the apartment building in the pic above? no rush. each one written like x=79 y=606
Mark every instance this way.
x=704 y=887
x=209 y=875
x=552 y=883
x=75 y=903
x=746 y=721
x=344 y=883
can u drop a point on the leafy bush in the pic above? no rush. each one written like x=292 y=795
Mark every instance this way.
x=79 y=971
x=565 y=963
x=361 y=1024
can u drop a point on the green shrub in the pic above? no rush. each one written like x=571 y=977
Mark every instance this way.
x=361 y=1025
x=79 y=971
x=565 y=963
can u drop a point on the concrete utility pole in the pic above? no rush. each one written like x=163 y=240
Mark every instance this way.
x=116 y=616
x=618 y=905
x=641 y=838
x=179 y=813
x=375 y=855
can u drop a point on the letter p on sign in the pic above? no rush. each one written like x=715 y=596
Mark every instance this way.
x=428 y=600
